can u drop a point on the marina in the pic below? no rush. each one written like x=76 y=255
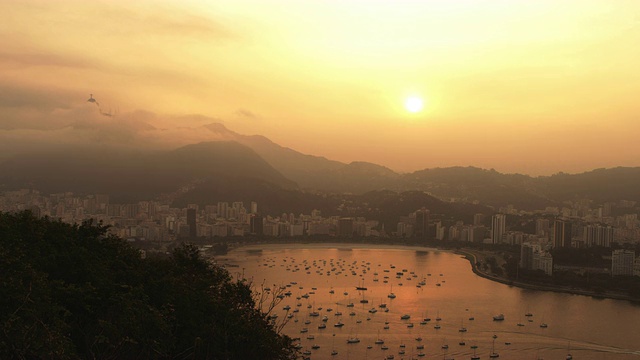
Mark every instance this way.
x=483 y=318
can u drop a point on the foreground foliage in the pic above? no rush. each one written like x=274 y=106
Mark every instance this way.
x=71 y=291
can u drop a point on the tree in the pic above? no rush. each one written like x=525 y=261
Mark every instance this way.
x=72 y=291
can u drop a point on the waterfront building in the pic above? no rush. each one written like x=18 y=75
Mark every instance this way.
x=498 y=228
x=527 y=249
x=533 y=257
x=256 y=225
x=543 y=261
x=598 y=235
x=404 y=230
x=421 y=229
x=345 y=227
x=562 y=233
x=622 y=262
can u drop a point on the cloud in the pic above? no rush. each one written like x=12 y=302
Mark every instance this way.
x=45 y=124
x=35 y=58
x=246 y=114
x=36 y=107
x=179 y=23
x=16 y=96
x=157 y=20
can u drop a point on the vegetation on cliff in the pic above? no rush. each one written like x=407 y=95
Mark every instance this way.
x=72 y=291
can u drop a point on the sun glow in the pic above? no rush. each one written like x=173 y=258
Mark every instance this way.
x=413 y=104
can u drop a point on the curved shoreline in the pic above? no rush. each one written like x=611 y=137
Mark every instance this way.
x=471 y=256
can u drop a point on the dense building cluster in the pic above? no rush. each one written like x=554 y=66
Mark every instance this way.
x=574 y=226
x=156 y=221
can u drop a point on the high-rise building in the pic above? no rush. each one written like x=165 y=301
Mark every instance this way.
x=102 y=201
x=237 y=205
x=542 y=227
x=345 y=227
x=598 y=235
x=532 y=257
x=254 y=207
x=478 y=219
x=438 y=230
x=223 y=208
x=498 y=227
x=527 y=250
x=543 y=261
x=561 y=233
x=478 y=233
x=191 y=222
x=421 y=229
x=404 y=229
x=257 y=225
x=622 y=262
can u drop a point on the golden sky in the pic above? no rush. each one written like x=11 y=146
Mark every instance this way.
x=533 y=87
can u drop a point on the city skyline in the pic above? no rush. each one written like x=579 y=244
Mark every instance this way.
x=534 y=88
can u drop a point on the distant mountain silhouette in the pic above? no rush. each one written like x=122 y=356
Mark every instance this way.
x=525 y=192
x=314 y=172
x=217 y=169
x=387 y=205
x=271 y=199
x=473 y=184
x=600 y=185
x=470 y=184
x=136 y=176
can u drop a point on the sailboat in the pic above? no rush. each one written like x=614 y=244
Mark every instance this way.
x=462 y=328
x=493 y=353
x=362 y=287
x=379 y=341
x=364 y=301
x=569 y=356
x=333 y=348
x=444 y=354
x=474 y=356
x=350 y=304
x=543 y=324
x=528 y=313
x=391 y=294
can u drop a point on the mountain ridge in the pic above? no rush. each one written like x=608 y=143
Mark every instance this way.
x=241 y=157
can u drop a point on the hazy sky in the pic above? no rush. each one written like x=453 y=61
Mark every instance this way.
x=520 y=86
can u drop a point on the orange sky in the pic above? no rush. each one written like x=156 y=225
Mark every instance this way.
x=533 y=87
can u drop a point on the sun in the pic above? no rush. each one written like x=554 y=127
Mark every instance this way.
x=413 y=104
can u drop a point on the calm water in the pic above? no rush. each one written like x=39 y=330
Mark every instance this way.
x=587 y=328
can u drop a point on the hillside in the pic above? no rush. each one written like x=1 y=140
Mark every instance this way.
x=131 y=176
x=313 y=172
x=215 y=169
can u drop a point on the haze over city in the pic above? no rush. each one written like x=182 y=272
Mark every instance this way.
x=529 y=87
x=319 y=179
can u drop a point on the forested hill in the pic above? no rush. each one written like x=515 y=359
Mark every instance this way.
x=70 y=292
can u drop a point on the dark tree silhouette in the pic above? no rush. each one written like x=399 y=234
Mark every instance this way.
x=72 y=291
